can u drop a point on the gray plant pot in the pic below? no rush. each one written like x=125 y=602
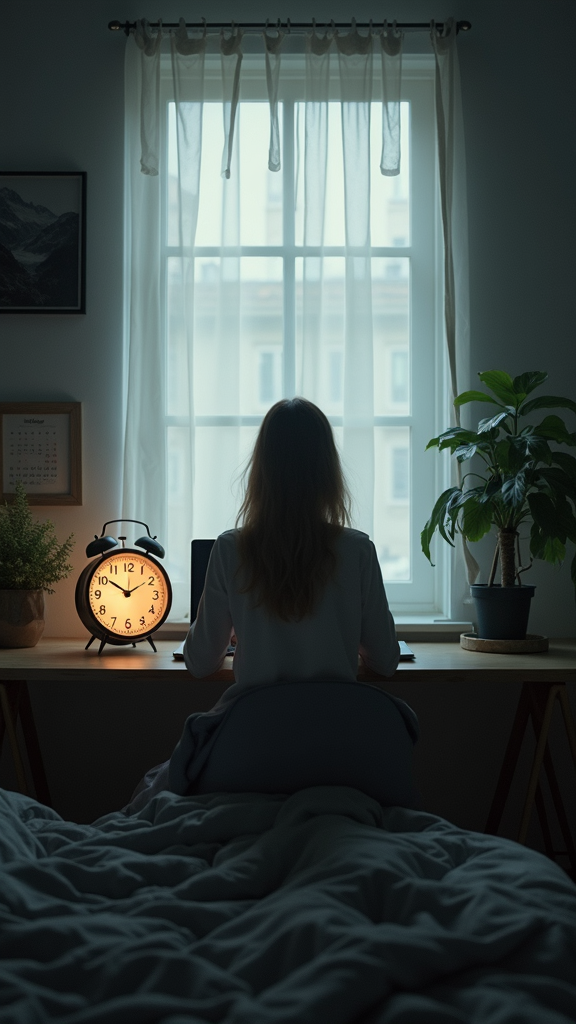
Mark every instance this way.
x=502 y=612
x=21 y=617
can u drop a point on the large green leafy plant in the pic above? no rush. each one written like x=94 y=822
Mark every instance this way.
x=30 y=556
x=523 y=477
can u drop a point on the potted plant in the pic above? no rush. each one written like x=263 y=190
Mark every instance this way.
x=520 y=476
x=31 y=560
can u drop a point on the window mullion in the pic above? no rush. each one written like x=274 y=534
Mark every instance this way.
x=288 y=216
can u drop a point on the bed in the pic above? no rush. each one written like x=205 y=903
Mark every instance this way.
x=250 y=908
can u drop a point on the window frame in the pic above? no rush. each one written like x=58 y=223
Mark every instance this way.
x=427 y=594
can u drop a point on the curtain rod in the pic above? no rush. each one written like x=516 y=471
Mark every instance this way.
x=118 y=26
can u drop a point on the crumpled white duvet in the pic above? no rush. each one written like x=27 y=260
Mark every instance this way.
x=318 y=908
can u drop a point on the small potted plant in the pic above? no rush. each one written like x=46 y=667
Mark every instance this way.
x=521 y=477
x=31 y=560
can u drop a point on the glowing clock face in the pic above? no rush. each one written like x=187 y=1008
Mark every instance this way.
x=128 y=594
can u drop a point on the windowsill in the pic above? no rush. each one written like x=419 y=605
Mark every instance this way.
x=426 y=629
x=414 y=628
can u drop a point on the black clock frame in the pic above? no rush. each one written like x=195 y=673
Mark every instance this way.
x=87 y=616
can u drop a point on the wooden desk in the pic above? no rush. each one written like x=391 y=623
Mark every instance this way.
x=544 y=677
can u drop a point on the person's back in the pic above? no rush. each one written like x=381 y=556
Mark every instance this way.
x=301 y=590
x=350 y=616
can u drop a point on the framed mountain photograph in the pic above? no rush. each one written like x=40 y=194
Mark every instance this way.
x=42 y=242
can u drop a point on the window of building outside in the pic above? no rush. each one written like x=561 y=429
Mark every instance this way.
x=406 y=297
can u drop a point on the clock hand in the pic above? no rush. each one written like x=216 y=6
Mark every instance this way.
x=125 y=592
x=135 y=588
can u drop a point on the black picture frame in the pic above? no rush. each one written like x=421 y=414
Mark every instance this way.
x=42 y=241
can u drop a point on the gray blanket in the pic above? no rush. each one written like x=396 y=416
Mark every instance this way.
x=318 y=908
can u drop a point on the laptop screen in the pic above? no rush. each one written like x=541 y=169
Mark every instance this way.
x=199 y=558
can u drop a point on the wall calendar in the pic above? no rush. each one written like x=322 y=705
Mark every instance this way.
x=40 y=448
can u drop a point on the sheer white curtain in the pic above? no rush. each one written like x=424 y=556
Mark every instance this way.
x=192 y=270
x=452 y=176
x=354 y=53
x=182 y=373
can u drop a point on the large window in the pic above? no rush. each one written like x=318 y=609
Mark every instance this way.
x=249 y=267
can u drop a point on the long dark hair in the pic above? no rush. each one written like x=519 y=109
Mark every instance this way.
x=295 y=504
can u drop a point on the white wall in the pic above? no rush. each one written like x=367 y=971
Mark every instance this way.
x=61 y=108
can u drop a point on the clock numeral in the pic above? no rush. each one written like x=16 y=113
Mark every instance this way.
x=114 y=570
x=102 y=580
x=127 y=624
x=151 y=610
x=102 y=609
x=151 y=581
x=97 y=594
x=142 y=620
x=155 y=595
x=114 y=617
x=130 y=566
x=141 y=570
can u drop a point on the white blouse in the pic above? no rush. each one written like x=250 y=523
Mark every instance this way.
x=351 y=617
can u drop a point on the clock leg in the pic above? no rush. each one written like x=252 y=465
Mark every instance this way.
x=151 y=642
x=102 y=645
x=91 y=641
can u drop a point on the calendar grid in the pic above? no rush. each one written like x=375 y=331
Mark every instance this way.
x=41 y=450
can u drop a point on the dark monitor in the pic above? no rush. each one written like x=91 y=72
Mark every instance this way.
x=199 y=558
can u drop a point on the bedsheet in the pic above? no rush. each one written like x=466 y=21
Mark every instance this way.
x=317 y=908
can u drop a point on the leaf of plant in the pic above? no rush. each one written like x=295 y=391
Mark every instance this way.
x=504 y=452
x=567 y=463
x=465 y=451
x=557 y=480
x=526 y=382
x=491 y=422
x=474 y=396
x=477 y=519
x=565 y=518
x=532 y=447
x=537 y=541
x=451 y=438
x=554 y=551
x=543 y=513
x=436 y=521
x=456 y=500
x=489 y=490
x=501 y=384
x=514 y=489
x=547 y=402
x=554 y=428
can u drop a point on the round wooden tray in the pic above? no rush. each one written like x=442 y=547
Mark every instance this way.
x=531 y=644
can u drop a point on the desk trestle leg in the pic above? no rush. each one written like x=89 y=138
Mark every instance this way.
x=14 y=703
x=537 y=701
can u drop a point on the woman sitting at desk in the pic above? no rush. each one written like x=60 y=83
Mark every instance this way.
x=303 y=594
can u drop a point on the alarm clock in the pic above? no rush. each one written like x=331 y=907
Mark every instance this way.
x=125 y=594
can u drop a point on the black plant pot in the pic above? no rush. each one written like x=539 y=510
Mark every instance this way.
x=502 y=612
